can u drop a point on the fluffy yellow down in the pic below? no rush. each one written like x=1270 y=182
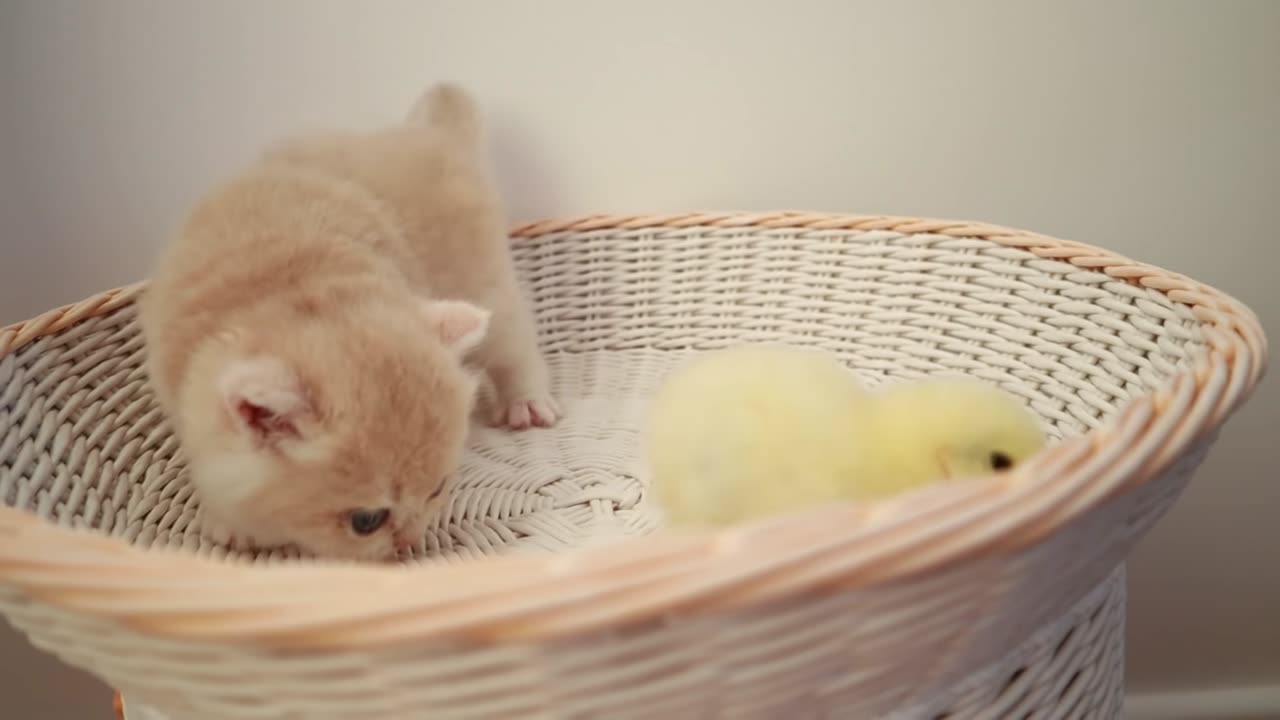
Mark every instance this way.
x=759 y=429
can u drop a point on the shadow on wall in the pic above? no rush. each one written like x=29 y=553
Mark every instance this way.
x=39 y=687
x=525 y=178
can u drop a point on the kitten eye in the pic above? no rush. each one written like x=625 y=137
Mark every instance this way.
x=1001 y=461
x=365 y=522
x=437 y=492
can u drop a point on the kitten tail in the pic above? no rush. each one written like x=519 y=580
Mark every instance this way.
x=451 y=110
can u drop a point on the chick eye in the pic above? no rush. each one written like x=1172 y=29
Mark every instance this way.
x=1001 y=461
x=365 y=522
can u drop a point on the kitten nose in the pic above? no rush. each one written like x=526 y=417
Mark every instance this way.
x=404 y=546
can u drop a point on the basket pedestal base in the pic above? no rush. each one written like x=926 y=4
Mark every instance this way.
x=1072 y=669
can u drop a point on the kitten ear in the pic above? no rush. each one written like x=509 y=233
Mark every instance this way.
x=265 y=399
x=460 y=325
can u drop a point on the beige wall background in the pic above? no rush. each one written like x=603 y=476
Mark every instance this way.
x=1148 y=127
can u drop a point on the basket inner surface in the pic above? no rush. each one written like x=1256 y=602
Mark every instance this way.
x=82 y=443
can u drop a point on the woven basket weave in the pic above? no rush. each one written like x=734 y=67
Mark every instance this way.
x=999 y=598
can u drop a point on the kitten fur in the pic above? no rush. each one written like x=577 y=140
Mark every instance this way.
x=310 y=332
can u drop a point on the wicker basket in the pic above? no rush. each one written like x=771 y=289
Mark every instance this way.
x=1000 y=598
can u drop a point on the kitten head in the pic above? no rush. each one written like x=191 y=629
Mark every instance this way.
x=337 y=435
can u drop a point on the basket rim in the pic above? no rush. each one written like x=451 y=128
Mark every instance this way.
x=173 y=594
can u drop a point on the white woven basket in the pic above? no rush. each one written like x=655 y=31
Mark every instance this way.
x=999 y=598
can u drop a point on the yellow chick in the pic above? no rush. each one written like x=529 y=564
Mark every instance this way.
x=749 y=431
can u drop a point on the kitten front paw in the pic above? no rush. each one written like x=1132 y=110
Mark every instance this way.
x=219 y=533
x=230 y=536
x=540 y=411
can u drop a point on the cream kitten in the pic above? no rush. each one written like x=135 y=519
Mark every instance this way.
x=307 y=334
